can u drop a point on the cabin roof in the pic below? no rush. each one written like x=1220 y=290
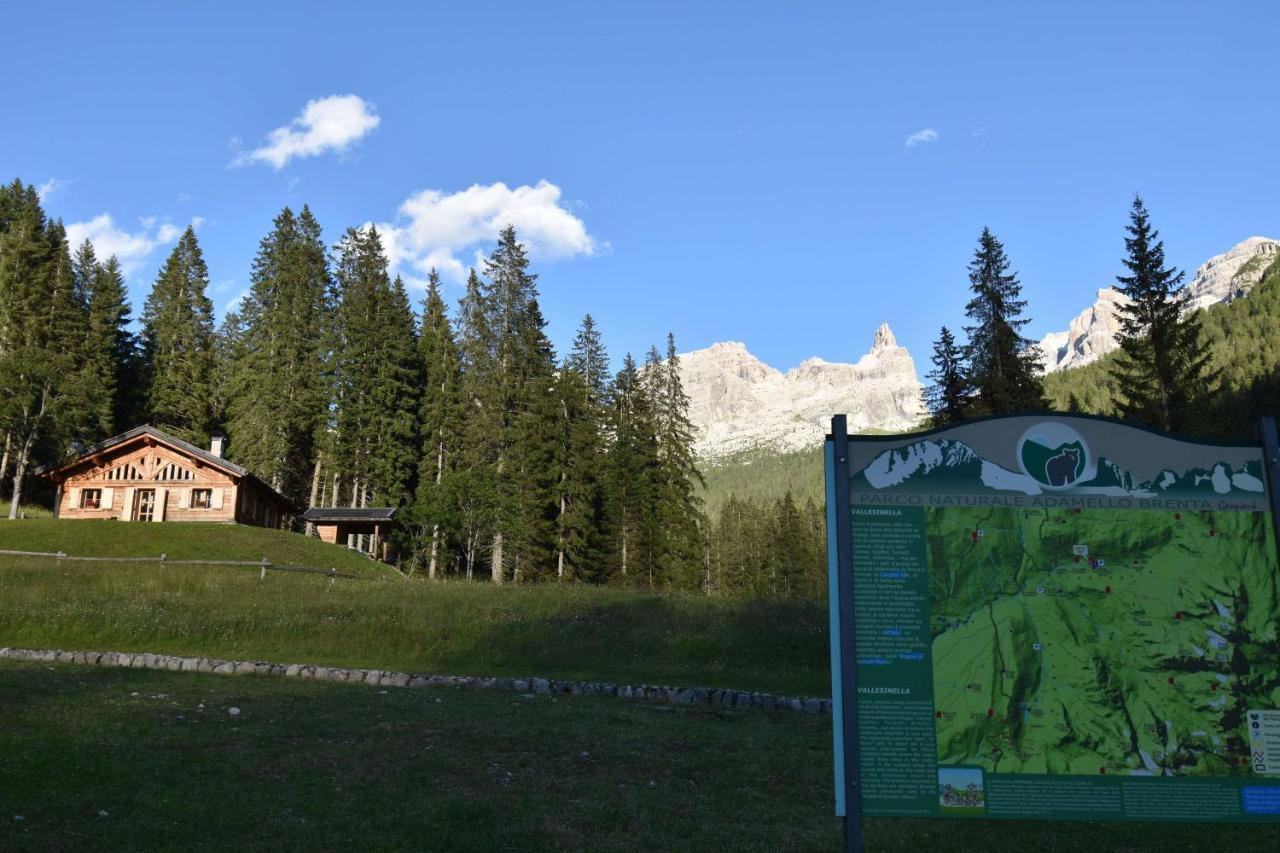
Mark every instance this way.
x=173 y=442
x=339 y=513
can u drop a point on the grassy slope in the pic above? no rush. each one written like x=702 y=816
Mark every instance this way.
x=179 y=541
x=457 y=628
x=311 y=766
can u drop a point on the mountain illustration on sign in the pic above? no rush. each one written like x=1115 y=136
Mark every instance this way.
x=1056 y=467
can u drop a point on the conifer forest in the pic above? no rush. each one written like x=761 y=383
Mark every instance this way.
x=507 y=462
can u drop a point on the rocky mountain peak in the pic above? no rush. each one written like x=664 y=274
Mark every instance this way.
x=738 y=402
x=1092 y=333
x=884 y=338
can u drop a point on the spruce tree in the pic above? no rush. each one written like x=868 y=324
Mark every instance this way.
x=111 y=349
x=177 y=345
x=521 y=366
x=375 y=377
x=948 y=393
x=1164 y=365
x=1004 y=367
x=583 y=394
x=42 y=318
x=679 y=505
x=277 y=394
x=631 y=479
x=439 y=423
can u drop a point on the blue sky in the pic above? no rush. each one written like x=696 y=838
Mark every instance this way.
x=726 y=171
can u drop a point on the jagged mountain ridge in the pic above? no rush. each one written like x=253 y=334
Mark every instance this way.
x=1222 y=278
x=738 y=402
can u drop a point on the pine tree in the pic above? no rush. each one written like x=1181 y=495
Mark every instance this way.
x=439 y=423
x=630 y=478
x=375 y=376
x=1163 y=367
x=948 y=394
x=177 y=345
x=111 y=349
x=1004 y=366
x=583 y=395
x=679 y=506
x=521 y=365
x=277 y=395
x=42 y=319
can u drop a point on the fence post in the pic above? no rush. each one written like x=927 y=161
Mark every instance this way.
x=163 y=557
x=264 y=569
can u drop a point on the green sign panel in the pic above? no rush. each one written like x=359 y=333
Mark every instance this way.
x=1059 y=617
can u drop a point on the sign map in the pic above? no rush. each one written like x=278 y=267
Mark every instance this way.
x=1065 y=617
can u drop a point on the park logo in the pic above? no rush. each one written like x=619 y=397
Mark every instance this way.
x=1054 y=455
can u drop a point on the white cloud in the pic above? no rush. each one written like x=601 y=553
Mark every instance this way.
x=50 y=187
x=434 y=228
x=927 y=134
x=334 y=123
x=129 y=248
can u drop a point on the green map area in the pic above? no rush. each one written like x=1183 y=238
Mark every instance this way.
x=1069 y=641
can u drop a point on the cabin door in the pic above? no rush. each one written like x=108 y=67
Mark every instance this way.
x=144 y=505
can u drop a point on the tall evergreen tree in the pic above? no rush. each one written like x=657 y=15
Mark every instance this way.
x=111 y=349
x=1004 y=366
x=1164 y=364
x=177 y=344
x=439 y=422
x=276 y=380
x=522 y=364
x=375 y=382
x=679 y=506
x=631 y=478
x=583 y=393
x=948 y=393
x=42 y=317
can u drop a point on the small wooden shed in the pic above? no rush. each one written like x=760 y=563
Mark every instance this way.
x=346 y=525
x=148 y=475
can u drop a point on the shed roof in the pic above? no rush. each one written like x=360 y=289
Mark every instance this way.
x=341 y=513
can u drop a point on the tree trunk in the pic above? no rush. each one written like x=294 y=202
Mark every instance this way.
x=560 y=549
x=20 y=472
x=4 y=459
x=353 y=541
x=315 y=491
x=495 y=560
x=435 y=528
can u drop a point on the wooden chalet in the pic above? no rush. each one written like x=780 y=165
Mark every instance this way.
x=148 y=475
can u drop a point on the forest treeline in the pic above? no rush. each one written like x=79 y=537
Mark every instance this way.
x=506 y=462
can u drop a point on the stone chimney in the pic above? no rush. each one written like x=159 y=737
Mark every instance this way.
x=217 y=443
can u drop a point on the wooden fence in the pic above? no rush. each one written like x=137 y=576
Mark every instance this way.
x=264 y=565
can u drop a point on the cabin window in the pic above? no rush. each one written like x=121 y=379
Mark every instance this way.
x=201 y=498
x=90 y=498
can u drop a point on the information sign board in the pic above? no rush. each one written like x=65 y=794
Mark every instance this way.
x=1055 y=617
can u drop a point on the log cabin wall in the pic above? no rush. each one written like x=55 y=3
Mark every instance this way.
x=182 y=489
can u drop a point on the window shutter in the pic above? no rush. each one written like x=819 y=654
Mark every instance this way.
x=75 y=498
x=184 y=498
x=107 y=494
x=162 y=498
x=126 y=513
x=216 y=500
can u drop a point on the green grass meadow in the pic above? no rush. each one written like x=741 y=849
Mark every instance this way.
x=109 y=759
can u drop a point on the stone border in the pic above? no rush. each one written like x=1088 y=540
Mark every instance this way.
x=383 y=678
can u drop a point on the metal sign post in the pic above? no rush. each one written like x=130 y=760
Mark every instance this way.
x=843 y=642
x=1271 y=462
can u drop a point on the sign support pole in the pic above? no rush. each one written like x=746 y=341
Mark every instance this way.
x=1271 y=462
x=843 y=533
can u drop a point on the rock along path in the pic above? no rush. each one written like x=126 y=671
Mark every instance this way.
x=719 y=697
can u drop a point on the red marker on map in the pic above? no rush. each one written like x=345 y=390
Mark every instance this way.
x=1102 y=770
x=991 y=712
x=1178 y=615
x=939 y=715
x=1213 y=532
x=1108 y=589
x=1177 y=516
x=1171 y=679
